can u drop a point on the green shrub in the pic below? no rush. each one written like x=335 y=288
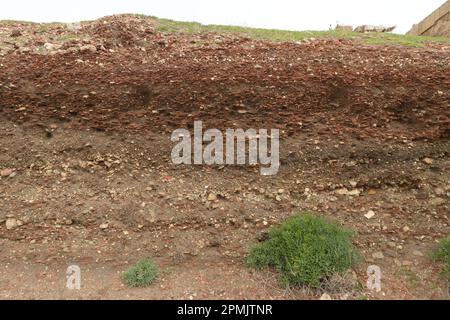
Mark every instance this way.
x=442 y=254
x=306 y=250
x=141 y=274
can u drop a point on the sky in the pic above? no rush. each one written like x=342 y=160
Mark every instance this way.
x=275 y=14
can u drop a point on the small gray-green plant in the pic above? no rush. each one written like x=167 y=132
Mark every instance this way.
x=142 y=274
x=306 y=250
x=442 y=254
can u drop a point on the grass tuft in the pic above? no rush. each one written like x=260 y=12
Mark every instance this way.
x=442 y=254
x=306 y=250
x=142 y=274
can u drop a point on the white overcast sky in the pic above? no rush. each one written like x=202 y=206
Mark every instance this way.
x=279 y=14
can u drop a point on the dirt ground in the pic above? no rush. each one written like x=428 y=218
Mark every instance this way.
x=87 y=179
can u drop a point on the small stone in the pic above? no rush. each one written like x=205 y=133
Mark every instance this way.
x=417 y=253
x=370 y=214
x=354 y=192
x=104 y=226
x=212 y=197
x=353 y=183
x=12 y=223
x=345 y=296
x=15 y=33
x=6 y=172
x=215 y=205
x=391 y=244
x=406 y=229
x=49 y=46
x=351 y=164
x=427 y=161
x=378 y=255
x=89 y=48
x=436 y=201
x=325 y=296
x=24 y=50
x=342 y=191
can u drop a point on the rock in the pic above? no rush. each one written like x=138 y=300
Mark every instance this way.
x=6 y=172
x=436 y=201
x=104 y=226
x=345 y=296
x=12 y=223
x=351 y=164
x=24 y=50
x=89 y=48
x=378 y=255
x=370 y=214
x=427 y=161
x=391 y=244
x=50 y=46
x=342 y=191
x=353 y=183
x=325 y=296
x=354 y=192
x=406 y=229
x=417 y=253
x=345 y=191
x=15 y=33
x=212 y=197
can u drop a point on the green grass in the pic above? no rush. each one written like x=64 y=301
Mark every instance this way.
x=306 y=250
x=412 y=278
x=442 y=254
x=167 y=25
x=142 y=274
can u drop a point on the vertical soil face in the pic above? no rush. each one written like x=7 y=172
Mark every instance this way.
x=86 y=176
